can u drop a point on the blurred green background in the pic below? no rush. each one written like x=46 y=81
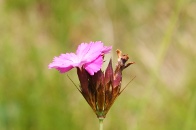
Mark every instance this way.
x=159 y=35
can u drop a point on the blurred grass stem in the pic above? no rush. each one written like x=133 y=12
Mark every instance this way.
x=162 y=51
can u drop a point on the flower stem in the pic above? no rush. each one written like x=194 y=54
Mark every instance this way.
x=101 y=123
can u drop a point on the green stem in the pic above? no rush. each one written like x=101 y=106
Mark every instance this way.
x=101 y=123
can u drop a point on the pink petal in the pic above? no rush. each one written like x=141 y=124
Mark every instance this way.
x=65 y=69
x=94 y=66
x=106 y=49
x=64 y=62
x=89 y=52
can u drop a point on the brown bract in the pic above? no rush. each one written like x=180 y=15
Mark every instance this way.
x=101 y=89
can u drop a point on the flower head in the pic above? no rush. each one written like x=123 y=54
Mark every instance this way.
x=100 y=89
x=89 y=56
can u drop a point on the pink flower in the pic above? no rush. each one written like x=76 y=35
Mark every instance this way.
x=89 y=56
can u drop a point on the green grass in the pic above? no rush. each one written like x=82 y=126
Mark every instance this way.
x=158 y=35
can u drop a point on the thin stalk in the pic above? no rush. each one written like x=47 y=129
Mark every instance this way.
x=101 y=123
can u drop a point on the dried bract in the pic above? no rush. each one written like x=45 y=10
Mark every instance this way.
x=101 y=89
